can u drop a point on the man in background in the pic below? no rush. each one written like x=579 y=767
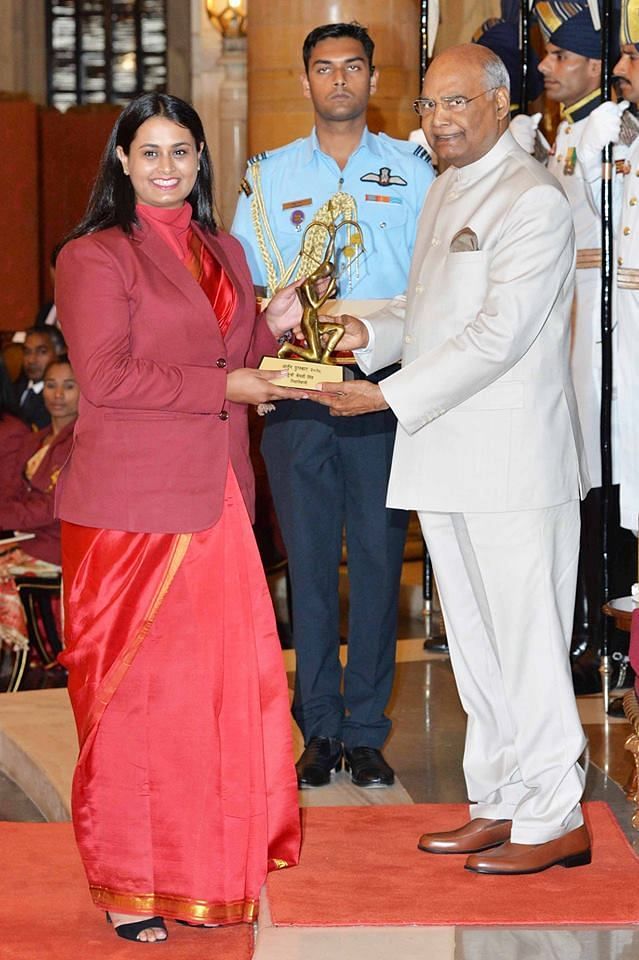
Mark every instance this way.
x=604 y=126
x=571 y=71
x=327 y=476
x=41 y=347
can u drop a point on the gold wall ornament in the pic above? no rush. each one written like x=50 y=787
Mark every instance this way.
x=228 y=16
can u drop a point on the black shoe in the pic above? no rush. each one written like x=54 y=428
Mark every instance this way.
x=321 y=756
x=368 y=767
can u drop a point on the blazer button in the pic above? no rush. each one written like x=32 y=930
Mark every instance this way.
x=221 y=363
x=224 y=415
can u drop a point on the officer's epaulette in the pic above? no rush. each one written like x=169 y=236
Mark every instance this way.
x=422 y=153
x=257 y=157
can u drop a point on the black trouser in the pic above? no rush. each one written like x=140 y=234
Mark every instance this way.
x=327 y=475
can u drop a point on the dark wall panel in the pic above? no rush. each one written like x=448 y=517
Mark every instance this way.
x=71 y=145
x=19 y=261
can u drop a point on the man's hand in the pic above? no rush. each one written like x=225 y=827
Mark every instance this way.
x=351 y=398
x=601 y=128
x=254 y=386
x=355 y=332
x=524 y=130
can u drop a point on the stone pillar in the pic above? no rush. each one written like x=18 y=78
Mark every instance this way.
x=218 y=81
x=278 y=112
x=460 y=18
x=232 y=125
x=23 y=49
x=178 y=26
x=206 y=77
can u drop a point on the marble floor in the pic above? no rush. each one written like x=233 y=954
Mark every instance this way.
x=15 y=805
x=425 y=749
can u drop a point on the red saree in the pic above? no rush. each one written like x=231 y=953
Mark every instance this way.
x=184 y=794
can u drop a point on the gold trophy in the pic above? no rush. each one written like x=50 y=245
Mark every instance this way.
x=311 y=361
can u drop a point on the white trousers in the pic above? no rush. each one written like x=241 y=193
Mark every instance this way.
x=506 y=582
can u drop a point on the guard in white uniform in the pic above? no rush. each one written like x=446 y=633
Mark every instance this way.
x=572 y=75
x=604 y=126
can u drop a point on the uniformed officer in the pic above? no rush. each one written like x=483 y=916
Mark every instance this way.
x=327 y=474
x=502 y=37
x=605 y=126
x=572 y=77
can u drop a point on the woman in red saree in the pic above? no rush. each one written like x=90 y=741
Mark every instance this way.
x=184 y=794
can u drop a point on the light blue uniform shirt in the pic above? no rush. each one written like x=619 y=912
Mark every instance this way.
x=299 y=178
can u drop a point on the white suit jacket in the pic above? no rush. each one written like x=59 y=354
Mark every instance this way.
x=486 y=407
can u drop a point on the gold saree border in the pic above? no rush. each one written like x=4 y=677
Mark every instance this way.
x=114 y=678
x=182 y=908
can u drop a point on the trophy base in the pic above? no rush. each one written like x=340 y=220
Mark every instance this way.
x=302 y=374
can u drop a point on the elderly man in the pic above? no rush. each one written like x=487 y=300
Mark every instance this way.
x=489 y=452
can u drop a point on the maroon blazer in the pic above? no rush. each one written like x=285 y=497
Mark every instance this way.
x=13 y=432
x=155 y=433
x=27 y=505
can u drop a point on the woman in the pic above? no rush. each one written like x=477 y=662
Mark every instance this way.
x=27 y=503
x=185 y=793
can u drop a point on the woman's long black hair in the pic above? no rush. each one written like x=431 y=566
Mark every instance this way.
x=112 y=201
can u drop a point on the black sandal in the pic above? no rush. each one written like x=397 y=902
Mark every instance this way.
x=130 y=931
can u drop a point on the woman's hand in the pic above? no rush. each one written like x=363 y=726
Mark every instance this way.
x=284 y=312
x=255 y=386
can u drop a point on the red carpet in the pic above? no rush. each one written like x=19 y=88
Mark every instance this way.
x=361 y=866
x=46 y=912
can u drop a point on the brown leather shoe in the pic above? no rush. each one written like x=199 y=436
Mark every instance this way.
x=571 y=850
x=476 y=835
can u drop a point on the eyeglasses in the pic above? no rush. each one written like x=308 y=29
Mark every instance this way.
x=425 y=107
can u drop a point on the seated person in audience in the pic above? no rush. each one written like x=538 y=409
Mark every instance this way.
x=12 y=429
x=47 y=314
x=28 y=496
x=41 y=346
